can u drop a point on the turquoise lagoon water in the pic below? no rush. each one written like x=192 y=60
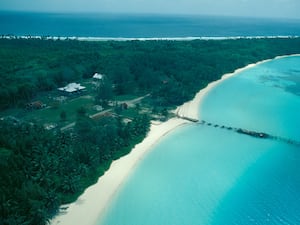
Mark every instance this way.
x=210 y=176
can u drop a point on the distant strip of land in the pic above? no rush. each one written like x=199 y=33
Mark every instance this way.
x=142 y=39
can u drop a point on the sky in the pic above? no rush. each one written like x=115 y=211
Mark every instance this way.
x=247 y=8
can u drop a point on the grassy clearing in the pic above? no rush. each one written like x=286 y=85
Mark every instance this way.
x=52 y=114
x=122 y=98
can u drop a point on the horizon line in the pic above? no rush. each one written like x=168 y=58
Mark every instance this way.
x=177 y=14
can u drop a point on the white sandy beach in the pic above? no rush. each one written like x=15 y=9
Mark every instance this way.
x=91 y=204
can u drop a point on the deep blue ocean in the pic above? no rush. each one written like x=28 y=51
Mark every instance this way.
x=205 y=175
x=141 y=26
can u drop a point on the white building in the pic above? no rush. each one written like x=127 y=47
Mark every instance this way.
x=72 y=88
x=98 y=76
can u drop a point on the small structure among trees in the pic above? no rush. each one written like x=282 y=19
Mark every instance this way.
x=104 y=92
x=98 y=76
x=35 y=105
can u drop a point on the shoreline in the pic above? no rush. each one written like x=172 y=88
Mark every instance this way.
x=89 y=205
x=192 y=38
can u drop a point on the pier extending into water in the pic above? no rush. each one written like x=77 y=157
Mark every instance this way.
x=251 y=133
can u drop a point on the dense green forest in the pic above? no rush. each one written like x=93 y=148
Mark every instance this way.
x=173 y=71
x=41 y=169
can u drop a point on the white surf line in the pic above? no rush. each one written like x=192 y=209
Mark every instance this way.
x=80 y=38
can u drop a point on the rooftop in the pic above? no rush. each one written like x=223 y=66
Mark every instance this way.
x=72 y=87
x=98 y=76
